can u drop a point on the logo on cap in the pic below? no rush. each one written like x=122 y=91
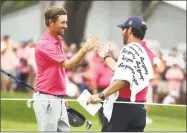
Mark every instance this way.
x=130 y=22
x=143 y=23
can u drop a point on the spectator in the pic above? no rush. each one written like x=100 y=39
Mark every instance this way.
x=171 y=98
x=22 y=70
x=21 y=53
x=87 y=77
x=29 y=55
x=77 y=76
x=8 y=62
x=162 y=66
x=70 y=51
x=175 y=77
x=174 y=55
x=73 y=50
x=154 y=83
x=183 y=90
x=158 y=84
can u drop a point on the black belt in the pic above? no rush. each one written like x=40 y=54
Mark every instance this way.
x=60 y=96
x=128 y=100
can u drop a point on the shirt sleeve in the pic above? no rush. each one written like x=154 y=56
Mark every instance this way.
x=123 y=74
x=124 y=70
x=52 y=53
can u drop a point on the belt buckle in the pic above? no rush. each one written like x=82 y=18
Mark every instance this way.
x=56 y=96
x=60 y=96
x=37 y=93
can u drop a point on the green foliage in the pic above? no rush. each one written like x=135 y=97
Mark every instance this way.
x=20 y=4
x=15 y=6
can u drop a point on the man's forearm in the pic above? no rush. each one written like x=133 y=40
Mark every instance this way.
x=75 y=60
x=111 y=63
x=114 y=87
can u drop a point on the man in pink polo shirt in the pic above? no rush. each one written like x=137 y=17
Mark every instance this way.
x=51 y=63
x=130 y=81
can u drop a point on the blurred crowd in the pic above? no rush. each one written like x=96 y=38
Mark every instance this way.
x=168 y=86
x=19 y=61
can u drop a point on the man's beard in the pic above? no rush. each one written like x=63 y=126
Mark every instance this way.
x=125 y=38
x=60 y=33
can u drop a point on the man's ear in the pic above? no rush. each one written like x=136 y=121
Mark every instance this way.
x=51 y=21
x=130 y=30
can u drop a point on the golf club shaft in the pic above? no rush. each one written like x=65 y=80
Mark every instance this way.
x=88 y=123
x=11 y=76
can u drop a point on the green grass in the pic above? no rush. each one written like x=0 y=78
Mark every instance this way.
x=161 y=123
x=15 y=116
x=11 y=125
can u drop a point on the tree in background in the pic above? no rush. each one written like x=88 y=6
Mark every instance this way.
x=143 y=8
x=77 y=15
x=12 y=6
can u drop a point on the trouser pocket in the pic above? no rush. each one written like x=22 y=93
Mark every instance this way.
x=41 y=103
x=47 y=107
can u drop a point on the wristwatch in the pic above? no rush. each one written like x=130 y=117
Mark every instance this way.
x=106 y=56
x=101 y=95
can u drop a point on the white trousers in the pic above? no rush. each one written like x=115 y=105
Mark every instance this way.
x=51 y=115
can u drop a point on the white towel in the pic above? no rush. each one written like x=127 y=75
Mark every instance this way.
x=134 y=66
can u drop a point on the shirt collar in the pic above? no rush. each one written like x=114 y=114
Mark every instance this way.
x=47 y=36
x=143 y=43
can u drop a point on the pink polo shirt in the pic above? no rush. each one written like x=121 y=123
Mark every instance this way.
x=175 y=76
x=141 y=96
x=51 y=76
x=103 y=74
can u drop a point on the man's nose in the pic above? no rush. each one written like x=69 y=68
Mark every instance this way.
x=65 y=26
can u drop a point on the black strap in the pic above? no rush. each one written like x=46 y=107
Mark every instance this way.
x=106 y=57
x=60 y=96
